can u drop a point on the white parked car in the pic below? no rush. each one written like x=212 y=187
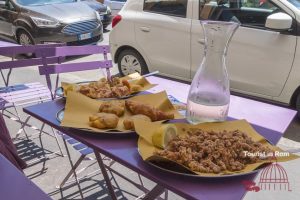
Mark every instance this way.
x=115 y=5
x=263 y=58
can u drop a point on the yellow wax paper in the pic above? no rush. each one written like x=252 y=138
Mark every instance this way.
x=146 y=149
x=78 y=108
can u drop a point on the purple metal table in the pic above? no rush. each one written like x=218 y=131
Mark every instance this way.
x=7 y=44
x=124 y=150
x=15 y=186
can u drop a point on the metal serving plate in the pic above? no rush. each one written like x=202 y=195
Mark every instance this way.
x=189 y=174
x=60 y=116
x=199 y=176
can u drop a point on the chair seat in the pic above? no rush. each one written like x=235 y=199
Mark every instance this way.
x=78 y=146
x=23 y=94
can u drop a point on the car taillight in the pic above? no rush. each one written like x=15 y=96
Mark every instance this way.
x=116 y=20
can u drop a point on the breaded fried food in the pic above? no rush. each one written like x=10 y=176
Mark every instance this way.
x=120 y=91
x=128 y=122
x=104 y=120
x=153 y=113
x=126 y=83
x=114 y=107
x=214 y=152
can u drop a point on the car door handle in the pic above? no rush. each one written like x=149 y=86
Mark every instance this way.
x=145 y=29
x=201 y=41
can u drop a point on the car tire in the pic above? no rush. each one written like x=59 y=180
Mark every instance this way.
x=298 y=105
x=25 y=38
x=130 y=61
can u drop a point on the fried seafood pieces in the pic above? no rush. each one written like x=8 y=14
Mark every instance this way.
x=213 y=152
x=114 y=107
x=103 y=89
x=104 y=120
x=153 y=113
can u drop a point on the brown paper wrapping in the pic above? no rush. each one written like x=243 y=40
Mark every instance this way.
x=79 y=107
x=134 y=79
x=146 y=129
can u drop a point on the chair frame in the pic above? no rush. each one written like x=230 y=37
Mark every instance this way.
x=51 y=69
x=48 y=69
x=34 y=97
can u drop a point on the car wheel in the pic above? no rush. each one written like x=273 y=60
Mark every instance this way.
x=298 y=105
x=24 y=38
x=130 y=61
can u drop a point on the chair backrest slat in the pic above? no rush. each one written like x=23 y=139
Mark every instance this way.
x=48 y=69
x=28 y=62
x=74 y=67
x=73 y=51
x=12 y=51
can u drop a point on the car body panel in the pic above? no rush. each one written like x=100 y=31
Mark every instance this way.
x=261 y=63
x=106 y=17
x=171 y=53
x=64 y=13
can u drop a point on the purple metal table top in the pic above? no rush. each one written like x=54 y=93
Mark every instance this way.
x=7 y=44
x=15 y=186
x=124 y=150
x=262 y=114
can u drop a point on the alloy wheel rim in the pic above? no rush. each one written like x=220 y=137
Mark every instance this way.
x=130 y=64
x=25 y=40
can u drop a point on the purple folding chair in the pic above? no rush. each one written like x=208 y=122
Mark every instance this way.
x=13 y=96
x=49 y=69
x=52 y=69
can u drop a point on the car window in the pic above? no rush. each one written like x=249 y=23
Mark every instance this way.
x=7 y=5
x=252 y=13
x=167 y=7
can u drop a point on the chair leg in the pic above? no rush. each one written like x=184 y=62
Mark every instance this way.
x=141 y=180
x=57 y=142
x=23 y=128
x=72 y=167
x=41 y=141
x=72 y=171
x=22 y=123
x=166 y=194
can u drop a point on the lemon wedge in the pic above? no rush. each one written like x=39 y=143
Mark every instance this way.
x=163 y=135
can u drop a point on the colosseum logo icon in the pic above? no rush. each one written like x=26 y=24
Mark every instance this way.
x=273 y=177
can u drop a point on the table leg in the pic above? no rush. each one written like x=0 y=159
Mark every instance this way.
x=154 y=193
x=105 y=175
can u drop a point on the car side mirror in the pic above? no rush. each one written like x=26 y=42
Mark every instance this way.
x=2 y=4
x=279 y=21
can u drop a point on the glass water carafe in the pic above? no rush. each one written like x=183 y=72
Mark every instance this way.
x=209 y=95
